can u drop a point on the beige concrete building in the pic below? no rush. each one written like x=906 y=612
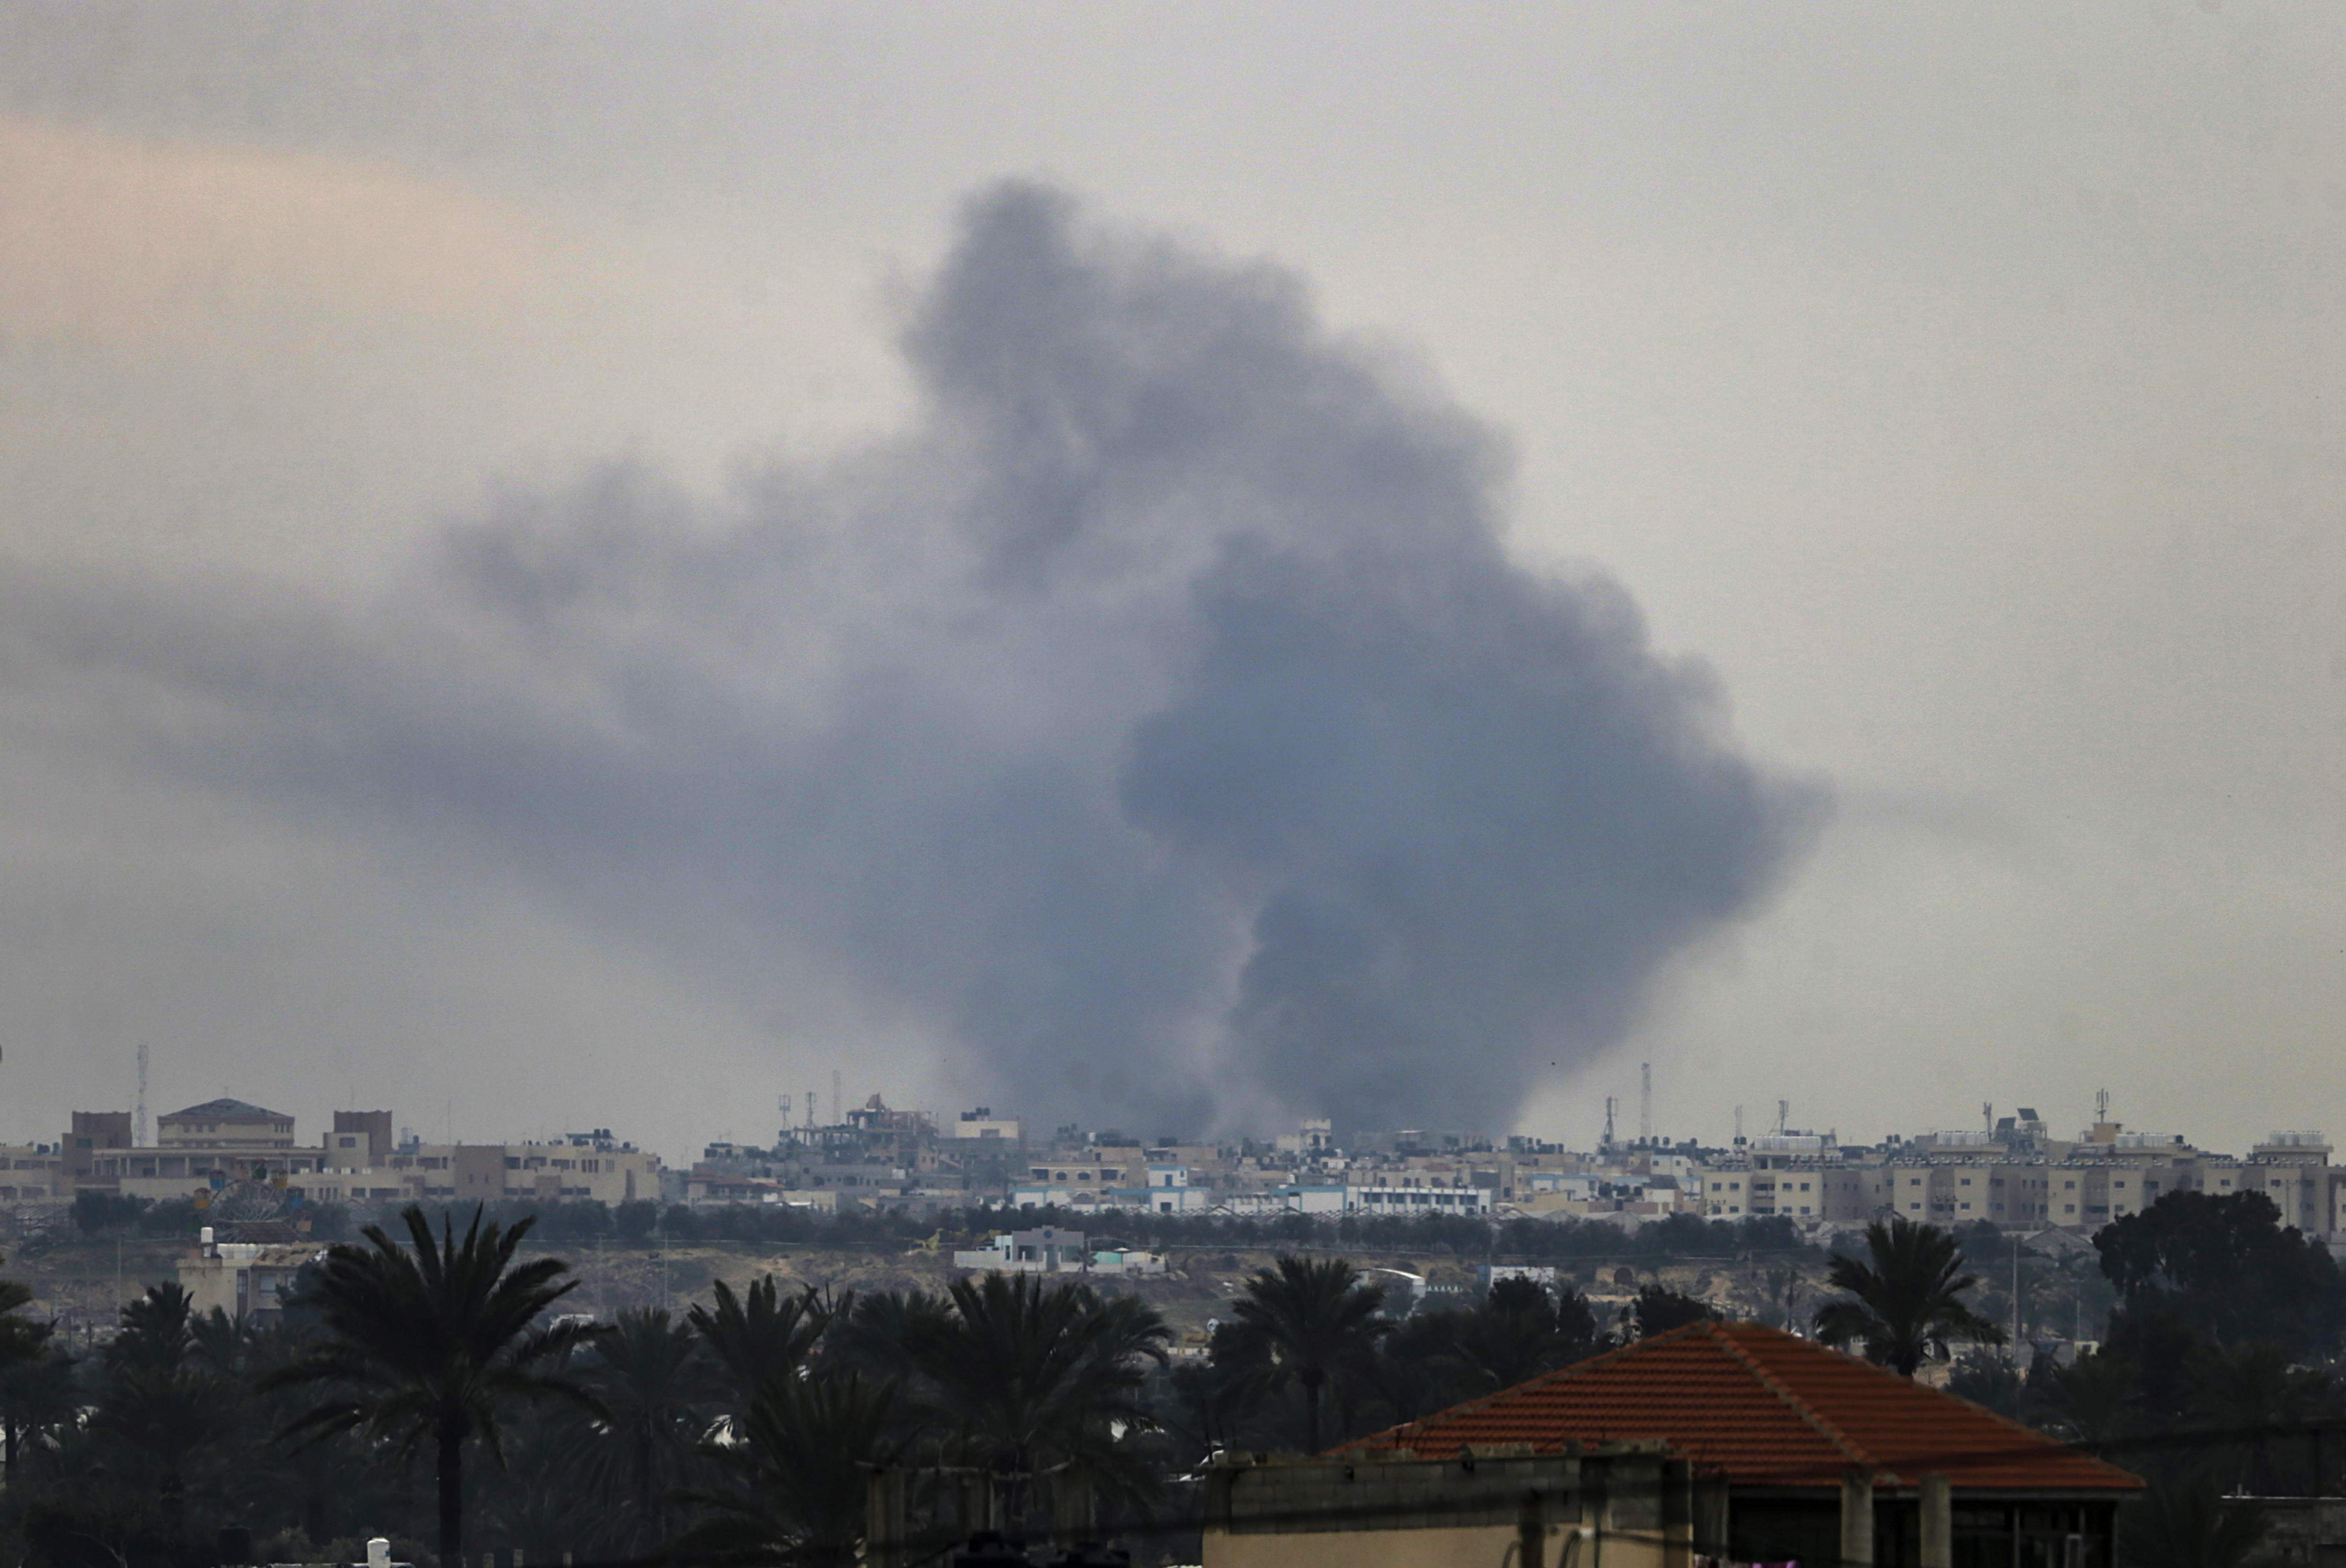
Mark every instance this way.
x=1625 y=1505
x=228 y=1126
x=33 y=1175
x=586 y=1166
x=219 y=1141
x=241 y=1280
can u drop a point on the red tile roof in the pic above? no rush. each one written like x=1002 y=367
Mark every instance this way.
x=1764 y=1407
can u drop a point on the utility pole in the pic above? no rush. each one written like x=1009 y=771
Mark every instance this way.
x=2016 y=1298
x=1645 y=1103
x=838 y=1112
x=138 y=1138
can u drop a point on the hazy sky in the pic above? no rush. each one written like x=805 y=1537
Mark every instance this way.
x=1961 y=386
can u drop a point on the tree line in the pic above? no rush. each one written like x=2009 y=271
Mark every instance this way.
x=425 y=1381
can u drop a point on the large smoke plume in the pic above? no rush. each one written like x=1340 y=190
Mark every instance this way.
x=1158 y=724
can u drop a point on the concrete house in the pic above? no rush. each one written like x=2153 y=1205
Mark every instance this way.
x=1798 y=1452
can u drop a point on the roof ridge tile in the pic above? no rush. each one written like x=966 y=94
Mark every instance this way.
x=1548 y=1379
x=1815 y=1419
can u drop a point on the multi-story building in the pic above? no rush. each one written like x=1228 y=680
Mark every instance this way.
x=593 y=1166
x=33 y=1175
x=2293 y=1170
x=234 y=1127
x=92 y=1135
x=207 y=1147
x=197 y=1149
x=1415 y=1197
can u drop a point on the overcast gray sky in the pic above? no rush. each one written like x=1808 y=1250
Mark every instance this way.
x=1960 y=385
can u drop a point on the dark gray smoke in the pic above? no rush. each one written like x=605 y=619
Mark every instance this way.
x=1158 y=725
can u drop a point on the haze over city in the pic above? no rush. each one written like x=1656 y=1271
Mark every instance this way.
x=583 y=567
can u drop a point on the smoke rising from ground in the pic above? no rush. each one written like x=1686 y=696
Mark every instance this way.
x=1159 y=726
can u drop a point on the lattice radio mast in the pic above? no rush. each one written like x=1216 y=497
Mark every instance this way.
x=138 y=1135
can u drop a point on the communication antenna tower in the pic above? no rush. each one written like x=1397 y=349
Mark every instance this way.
x=1738 y=1123
x=1645 y=1101
x=2101 y=1104
x=1783 y=1114
x=838 y=1112
x=138 y=1138
x=810 y=1108
x=1609 y=1122
x=1987 y=1115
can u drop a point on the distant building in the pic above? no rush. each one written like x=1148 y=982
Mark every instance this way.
x=1128 y=1261
x=1046 y=1250
x=33 y=1175
x=1416 y=1200
x=224 y=1124
x=93 y=1134
x=361 y=1141
x=243 y=1280
x=982 y=1125
x=593 y=1166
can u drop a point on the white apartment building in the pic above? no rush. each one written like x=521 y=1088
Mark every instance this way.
x=1416 y=1199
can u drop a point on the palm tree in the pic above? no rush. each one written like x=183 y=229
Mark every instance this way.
x=2093 y=1398
x=1907 y=1303
x=1519 y=1331
x=28 y=1374
x=2256 y=1391
x=161 y=1401
x=763 y=1334
x=798 y=1463
x=37 y=1397
x=656 y=1392
x=21 y=1338
x=428 y=1345
x=1310 y=1322
x=1658 y=1310
x=1036 y=1379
